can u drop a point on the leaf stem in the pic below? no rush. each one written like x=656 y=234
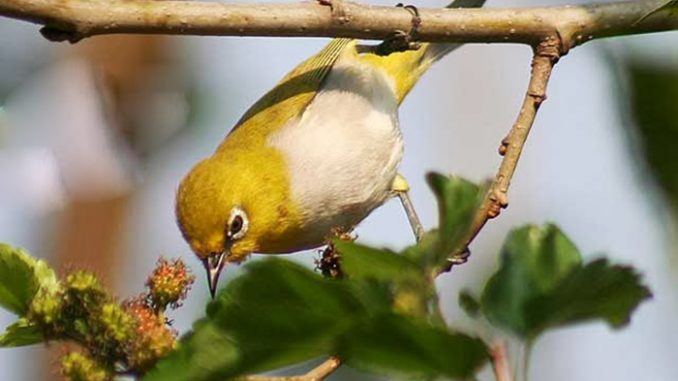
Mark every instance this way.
x=500 y=362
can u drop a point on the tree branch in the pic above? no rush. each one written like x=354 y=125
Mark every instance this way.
x=73 y=20
x=546 y=55
x=318 y=373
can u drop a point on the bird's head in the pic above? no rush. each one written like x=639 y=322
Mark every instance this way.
x=228 y=207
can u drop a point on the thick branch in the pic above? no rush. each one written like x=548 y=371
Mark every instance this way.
x=546 y=54
x=76 y=19
x=318 y=373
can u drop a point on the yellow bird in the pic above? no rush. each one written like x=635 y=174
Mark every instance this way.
x=318 y=152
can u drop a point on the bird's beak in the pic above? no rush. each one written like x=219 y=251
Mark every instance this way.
x=213 y=265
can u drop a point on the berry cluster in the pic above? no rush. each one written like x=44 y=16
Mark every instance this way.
x=128 y=337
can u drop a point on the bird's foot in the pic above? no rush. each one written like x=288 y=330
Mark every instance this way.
x=457 y=259
x=401 y=188
x=401 y=41
x=460 y=258
x=339 y=11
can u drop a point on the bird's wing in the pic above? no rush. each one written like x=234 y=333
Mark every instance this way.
x=292 y=94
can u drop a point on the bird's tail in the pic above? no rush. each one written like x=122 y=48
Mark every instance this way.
x=407 y=67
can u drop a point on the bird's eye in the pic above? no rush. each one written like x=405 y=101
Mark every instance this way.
x=237 y=224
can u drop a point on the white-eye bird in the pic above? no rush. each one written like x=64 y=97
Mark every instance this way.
x=319 y=151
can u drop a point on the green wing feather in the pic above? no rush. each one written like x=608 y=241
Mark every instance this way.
x=289 y=97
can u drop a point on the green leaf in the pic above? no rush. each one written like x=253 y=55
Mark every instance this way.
x=542 y=284
x=596 y=291
x=533 y=261
x=407 y=286
x=364 y=262
x=21 y=276
x=395 y=344
x=276 y=314
x=21 y=333
x=653 y=90
x=458 y=199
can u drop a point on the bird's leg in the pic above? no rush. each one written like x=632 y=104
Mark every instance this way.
x=400 y=40
x=401 y=188
x=339 y=12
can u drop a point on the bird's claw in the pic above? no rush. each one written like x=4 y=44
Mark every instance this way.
x=460 y=258
x=401 y=41
x=339 y=12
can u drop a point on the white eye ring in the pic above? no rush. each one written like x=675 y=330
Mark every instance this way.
x=238 y=224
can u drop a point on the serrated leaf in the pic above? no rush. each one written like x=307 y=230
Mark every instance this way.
x=20 y=278
x=458 y=199
x=396 y=344
x=542 y=284
x=533 y=261
x=278 y=313
x=597 y=290
x=406 y=285
x=21 y=333
x=364 y=262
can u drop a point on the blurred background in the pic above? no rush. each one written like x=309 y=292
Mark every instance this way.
x=95 y=137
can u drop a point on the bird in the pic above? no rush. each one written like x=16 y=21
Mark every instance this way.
x=316 y=154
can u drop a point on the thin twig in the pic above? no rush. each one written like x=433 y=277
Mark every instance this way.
x=500 y=362
x=318 y=373
x=72 y=20
x=546 y=54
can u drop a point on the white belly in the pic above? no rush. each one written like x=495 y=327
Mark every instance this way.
x=344 y=151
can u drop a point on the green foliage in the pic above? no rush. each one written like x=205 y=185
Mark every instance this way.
x=653 y=91
x=21 y=333
x=533 y=262
x=542 y=284
x=410 y=274
x=597 y=290
x=22 y=276
x=378 y=313
x=409 y=347
x=364 y=262
x=129 y=336
x=458 y=200
x=278 y=313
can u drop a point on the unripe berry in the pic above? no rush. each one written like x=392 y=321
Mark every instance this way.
x=169 y=283
x=117 y=323
x=153 y=338
x=46 y=307
x=77 y=366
